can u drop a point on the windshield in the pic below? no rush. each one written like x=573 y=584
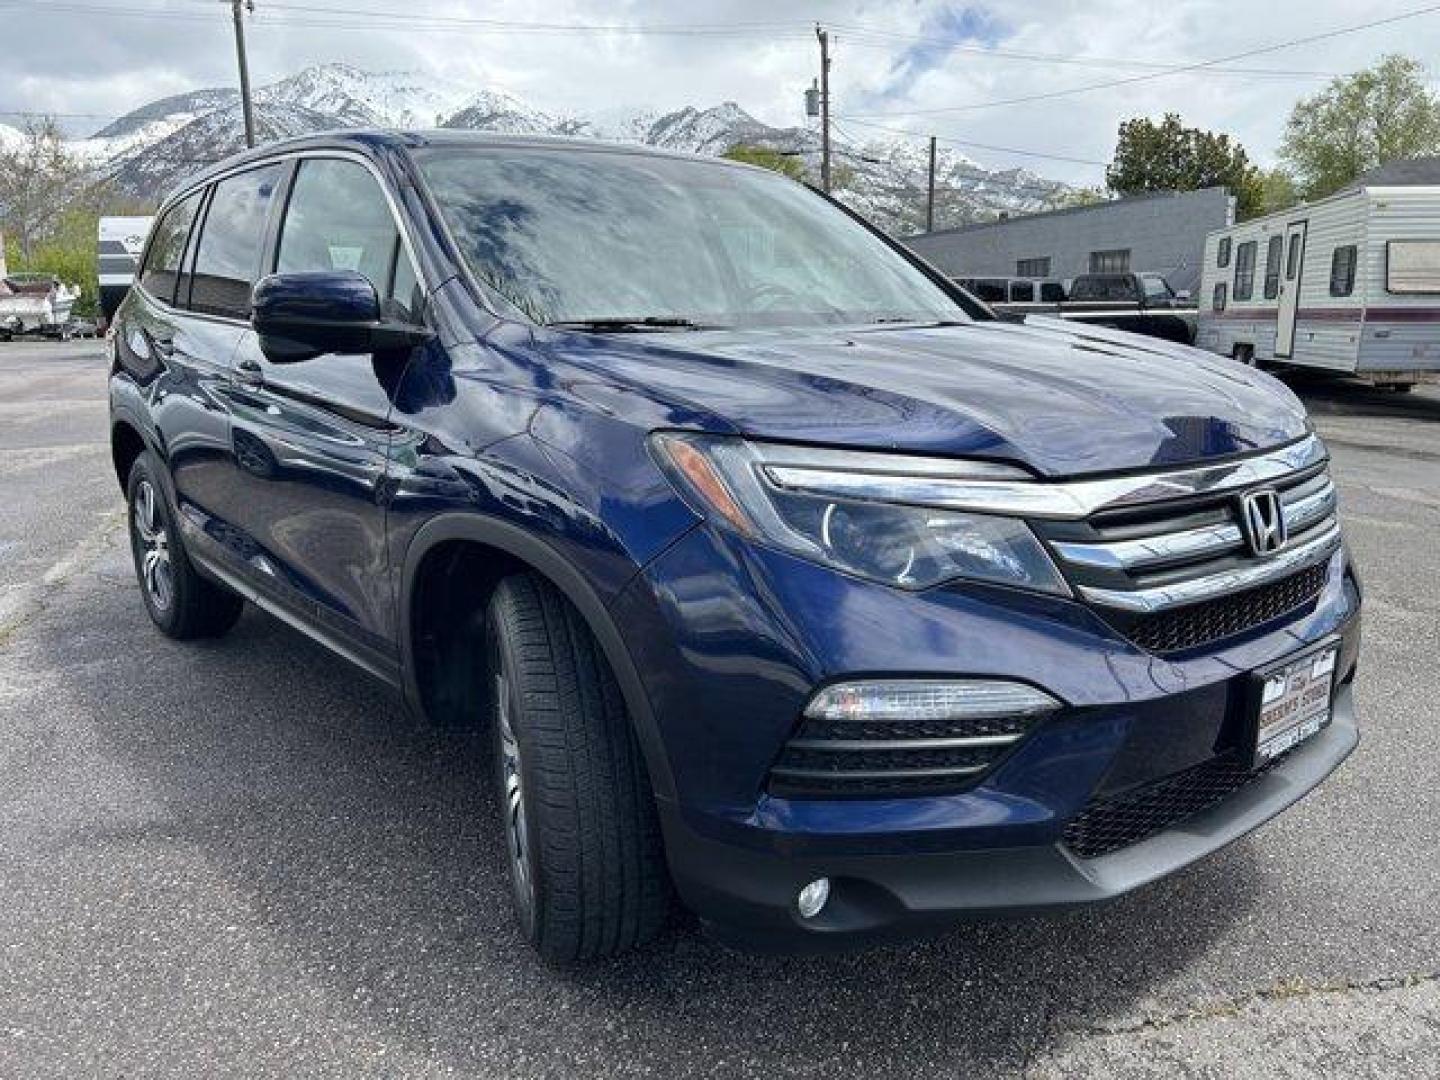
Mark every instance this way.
x=574 y=236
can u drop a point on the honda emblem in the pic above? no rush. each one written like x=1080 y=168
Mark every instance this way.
x=1263 y=518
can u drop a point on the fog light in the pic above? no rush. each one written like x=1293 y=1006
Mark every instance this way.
x=812 y=898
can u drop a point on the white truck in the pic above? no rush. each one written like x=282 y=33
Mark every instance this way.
x=1348 y=283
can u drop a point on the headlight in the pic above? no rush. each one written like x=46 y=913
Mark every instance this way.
x=854 y=511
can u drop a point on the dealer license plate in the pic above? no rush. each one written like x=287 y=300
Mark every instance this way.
x=1294 y=702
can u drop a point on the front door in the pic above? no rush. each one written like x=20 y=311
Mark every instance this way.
x=312 y=439
x=1290 y=289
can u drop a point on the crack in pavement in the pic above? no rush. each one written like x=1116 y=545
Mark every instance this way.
x=1282 y=991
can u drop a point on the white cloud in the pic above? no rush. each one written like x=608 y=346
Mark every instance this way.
x=88 y=63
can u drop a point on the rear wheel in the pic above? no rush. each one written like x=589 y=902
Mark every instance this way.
x=581 y=836
x=181 y=603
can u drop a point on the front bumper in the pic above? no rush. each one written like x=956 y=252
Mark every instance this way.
x=747 y=897
x=733 y=639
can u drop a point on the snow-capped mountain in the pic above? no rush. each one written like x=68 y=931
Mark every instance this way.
x=153 y=148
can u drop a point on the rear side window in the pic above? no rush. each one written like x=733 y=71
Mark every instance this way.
x=339 y=219
x=1217 y=298
x=1274 y=255
x=167 y=249
x=1342 y=271
x=227 y=261
x=1222 y=253
x=1245 y=270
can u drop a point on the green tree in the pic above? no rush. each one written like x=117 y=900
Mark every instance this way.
x=1278 y=191
x=40 y=180
x=1382 y=114
x=1171 y=157
x=785 y=164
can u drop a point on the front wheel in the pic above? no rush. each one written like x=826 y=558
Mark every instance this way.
x=581 y=835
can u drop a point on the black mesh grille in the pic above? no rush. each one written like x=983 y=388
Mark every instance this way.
x=1194 y=625
x=837 y=758
x=1110 y=823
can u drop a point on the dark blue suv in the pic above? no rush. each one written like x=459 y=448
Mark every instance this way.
x=787 y=579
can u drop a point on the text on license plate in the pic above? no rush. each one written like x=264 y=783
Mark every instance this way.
x=1294 y=703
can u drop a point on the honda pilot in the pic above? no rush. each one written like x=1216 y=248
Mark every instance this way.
x=786 y=581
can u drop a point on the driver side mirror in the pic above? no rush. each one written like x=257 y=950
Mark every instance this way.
x=301 y=316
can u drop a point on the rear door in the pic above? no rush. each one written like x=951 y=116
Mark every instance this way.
x=182 y=362
x=312 y=438
x=1289 y=301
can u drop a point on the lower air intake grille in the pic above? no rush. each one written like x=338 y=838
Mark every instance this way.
x=1214 y=620
x=1110 y=823
x=836 y=759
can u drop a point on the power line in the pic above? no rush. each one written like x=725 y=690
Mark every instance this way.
x=976 y=145
x=1198 y=65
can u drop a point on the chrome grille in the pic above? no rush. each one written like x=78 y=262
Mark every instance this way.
x=1179 y=573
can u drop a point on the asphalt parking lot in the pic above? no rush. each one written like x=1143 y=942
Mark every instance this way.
x=242 y=858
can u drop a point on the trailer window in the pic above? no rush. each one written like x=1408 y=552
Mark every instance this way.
x=1342 y=271
x=1412 y=266
x=1274 y=253
x=1217 y=298
x=1222 y=254
x=1245 y=270
x=1292 y=260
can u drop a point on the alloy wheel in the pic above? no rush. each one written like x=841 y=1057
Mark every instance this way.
x=156 y=572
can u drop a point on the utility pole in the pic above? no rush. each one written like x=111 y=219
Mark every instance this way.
x=930 y=197
x=824 y=106
x=246 y=106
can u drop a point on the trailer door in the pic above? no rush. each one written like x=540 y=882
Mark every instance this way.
x=1290 y=289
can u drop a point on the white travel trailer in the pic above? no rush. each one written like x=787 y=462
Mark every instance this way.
x=1350 y=282
x=121 y=240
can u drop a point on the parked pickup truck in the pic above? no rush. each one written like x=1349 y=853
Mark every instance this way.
x=1141 y=303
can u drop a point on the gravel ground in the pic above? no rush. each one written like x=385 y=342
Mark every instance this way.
x=242 y=859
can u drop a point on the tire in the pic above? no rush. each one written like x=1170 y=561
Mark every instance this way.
x=180 y=602
x=582 y=840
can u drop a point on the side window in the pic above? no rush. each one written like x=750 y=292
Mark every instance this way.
x=338 y=219
x=1342 y=271
x=1292 y=259
x=1156 y=288
x=228 y=258
x=1022 y=292
x=1245 y=270
x=1217 y=298
x=1052 y=292
x=1222 y=253
x=167 y=248
x=1274 y=251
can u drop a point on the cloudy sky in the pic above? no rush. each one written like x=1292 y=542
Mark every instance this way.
x=916 y=66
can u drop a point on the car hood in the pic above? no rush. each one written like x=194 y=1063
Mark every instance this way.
x=1059 y=399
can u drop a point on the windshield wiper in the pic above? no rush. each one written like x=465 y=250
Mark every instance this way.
x=616 y=324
